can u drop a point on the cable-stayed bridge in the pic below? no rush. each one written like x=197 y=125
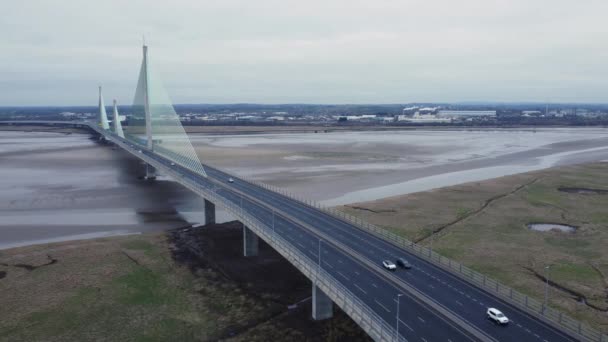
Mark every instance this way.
x=437 y=300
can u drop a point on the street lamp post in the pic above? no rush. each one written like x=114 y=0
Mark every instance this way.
x=397 y=320
x=546 y=287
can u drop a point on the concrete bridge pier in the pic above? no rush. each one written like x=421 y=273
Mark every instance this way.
x=209 y=212
x=322 y=306
x=250 y=242
x=150 y=172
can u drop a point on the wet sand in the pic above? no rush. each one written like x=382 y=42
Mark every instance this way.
x=58 y=186
x=348 y=167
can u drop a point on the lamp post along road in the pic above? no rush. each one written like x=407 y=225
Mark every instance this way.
x=397 y=323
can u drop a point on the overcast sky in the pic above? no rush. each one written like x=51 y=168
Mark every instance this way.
x=56 y=52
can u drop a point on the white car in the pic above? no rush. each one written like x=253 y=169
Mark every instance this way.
x=230 y=180
x=172 y=164
x=389 y=265
x=497 y=316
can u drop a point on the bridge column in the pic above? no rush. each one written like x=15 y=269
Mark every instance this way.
x=150 y=172
x=322 y=306
x=209 y=212
x=250 y=242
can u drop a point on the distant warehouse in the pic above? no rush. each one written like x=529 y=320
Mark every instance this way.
x=466 y=113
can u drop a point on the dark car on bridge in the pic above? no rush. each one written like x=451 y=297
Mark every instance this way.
x=404 y=263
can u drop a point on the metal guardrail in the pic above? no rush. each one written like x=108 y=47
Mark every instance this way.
x=377 y=328
x=528 y=304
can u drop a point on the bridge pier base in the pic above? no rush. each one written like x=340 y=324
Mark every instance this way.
x=250 y=242
x=150 y=172
x=322 y=306
x=209 y=212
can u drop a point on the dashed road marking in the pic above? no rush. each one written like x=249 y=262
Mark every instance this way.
x=412 y=330
x=459 y=303
x=384 y=307
x=374 y=285
x=421 y=320
x=357 y=273
x=345 y=277
x=360 y=289
x=330 y=266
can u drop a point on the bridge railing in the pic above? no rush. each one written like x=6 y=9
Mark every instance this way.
x=361 y=313
x=374 y=325
x=525 y=302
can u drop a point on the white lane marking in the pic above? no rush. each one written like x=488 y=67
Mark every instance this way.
x=374 y=285
x=459 y=303
x=412 y=330
x=360 y=289
x=345 y=277
x=357 y=273
x=330 y=266
x=340 y=261
x=301 y=245
x=421 y=320
x=313 y=253
x=384 y=307
x=536 y=335
x=424 y=339
x=431 y=286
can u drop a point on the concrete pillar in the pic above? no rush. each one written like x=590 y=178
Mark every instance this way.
x=250 y=242
x=209 y=212
x=150 y=172
x=322 y=306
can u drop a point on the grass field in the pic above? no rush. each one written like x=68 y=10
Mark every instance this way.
x=484 y=225
x=151 y=287
x=113 y=289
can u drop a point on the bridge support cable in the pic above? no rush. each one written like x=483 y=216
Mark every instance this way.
x=103 y=116
x=322 y=306
x=155 y=122
x=209 y=212
x=117 y=125
x=250 y=242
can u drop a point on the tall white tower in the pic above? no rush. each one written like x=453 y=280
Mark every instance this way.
x=146 y=94
x=117 y=125
x=103 y=117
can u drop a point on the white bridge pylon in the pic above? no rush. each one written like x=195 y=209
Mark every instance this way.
x=103 y=117
x=117 y=125
x=153 y=109
x=154 y=115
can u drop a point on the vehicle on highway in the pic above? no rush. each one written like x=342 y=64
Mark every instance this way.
x=496 y=316
x=389 y=265
x=230 y=180
x=404 y=263
x=140 y=151
x=172 y=164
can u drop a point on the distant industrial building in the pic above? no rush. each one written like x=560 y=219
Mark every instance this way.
x=422 y=118
x=466 y=113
